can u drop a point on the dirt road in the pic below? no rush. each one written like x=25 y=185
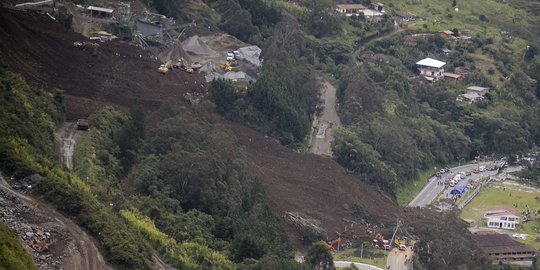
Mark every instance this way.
x=326 y=123
x=67 y=137
x=69 y=247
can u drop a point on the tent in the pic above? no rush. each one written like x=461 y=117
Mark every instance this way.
x=458 y=190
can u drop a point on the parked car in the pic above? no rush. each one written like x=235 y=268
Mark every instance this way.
x=467 y=173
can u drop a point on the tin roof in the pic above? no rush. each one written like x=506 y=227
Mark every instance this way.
x=430 y=63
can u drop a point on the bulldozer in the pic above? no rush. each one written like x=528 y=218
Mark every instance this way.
x=165 y=68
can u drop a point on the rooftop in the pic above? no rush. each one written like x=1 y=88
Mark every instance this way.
x=477 y=88
x=500 y=243
x=350 y=6
x=452 y=75
x=404 y=14
x=100 y=9
x=428 y=62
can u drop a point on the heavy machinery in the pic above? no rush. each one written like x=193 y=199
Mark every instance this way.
x=165 y=68
x=380 y=242
x=336 y=244
x=183 y=65
x=226 y=67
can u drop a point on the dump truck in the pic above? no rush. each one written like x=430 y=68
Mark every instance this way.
x=226 y=67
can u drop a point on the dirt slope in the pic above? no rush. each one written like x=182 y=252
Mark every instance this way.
x=42 y=50
x=313 y=185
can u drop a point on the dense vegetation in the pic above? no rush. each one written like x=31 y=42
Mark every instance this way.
x=29 y=116
x=12 y=254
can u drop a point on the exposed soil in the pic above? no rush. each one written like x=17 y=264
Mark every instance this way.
x=42 y=50
x=67 y=137
x=122 y=75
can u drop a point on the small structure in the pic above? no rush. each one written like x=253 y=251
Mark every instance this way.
x=431 y=69
x=379 y=7
x=350 y=9
x=82 y=124
x=470 y=98
x=478 y=89
x=474 y=94
x=446 y=51
x=501 y=247
x=501 y=219
x=452 y=77
x=372 y=14
x=458 y=190
x=100 y=12
x=446 y=33
x=404 y=16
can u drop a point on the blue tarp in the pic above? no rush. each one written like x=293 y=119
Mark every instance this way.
x=458 y=190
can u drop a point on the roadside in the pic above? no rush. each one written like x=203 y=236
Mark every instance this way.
x=361 y=266
x=433 y=187
x=55 y=241
x=324 y=125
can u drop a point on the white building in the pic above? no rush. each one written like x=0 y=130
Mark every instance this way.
x=350 y=9
x=431 y=69
x=501 y=219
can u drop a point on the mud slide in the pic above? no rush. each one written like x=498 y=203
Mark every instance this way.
x=326 y=123
x=69 y=247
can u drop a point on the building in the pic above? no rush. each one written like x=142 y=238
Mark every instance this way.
x=446 y=33
x=100 y=12
x=452 y=77
x=82 y=124
x=431 y=69
x=501 y=219
x=372 y=14
x=502 y=248
x=467 y=32
x=404 y=16
x=470 y=98
x=350 y=9
x=477 y=89
x=379 y=7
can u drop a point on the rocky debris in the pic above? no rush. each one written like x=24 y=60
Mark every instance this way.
x=45 y=240
x=27 y=183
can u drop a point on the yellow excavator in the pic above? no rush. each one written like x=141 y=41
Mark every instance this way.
x=226 y=67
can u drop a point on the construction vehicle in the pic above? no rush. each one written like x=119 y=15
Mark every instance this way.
x=196 y=65
x=164 y=68
x=226 y=67
x=380 y=242
x=336 y=244
x=183 y=65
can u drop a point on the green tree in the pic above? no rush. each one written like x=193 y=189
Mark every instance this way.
x=223 y=94
x=319 y=257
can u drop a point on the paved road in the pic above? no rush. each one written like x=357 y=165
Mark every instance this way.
x=432 y=189
x=324 y=125
x=397 y=259
x=361 y=266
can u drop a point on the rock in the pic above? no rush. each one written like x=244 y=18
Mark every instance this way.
x=30 y=234
x=42 y=257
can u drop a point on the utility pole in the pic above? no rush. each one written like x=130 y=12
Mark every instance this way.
x=362 y=250
x=395 y=231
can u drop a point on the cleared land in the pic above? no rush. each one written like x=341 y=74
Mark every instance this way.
x=508 y=194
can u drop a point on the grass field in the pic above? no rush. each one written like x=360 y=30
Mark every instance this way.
x=508 y=195
x=374 y=257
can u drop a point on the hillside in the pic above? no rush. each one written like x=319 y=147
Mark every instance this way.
x=187 y=179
